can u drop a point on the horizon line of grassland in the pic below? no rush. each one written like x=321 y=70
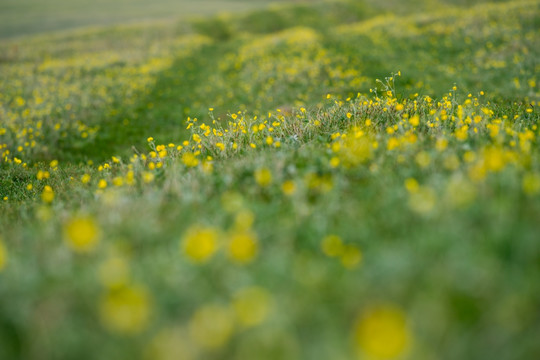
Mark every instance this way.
x=265 y=222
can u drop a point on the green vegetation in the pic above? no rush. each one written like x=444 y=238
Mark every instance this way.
x=325 y=180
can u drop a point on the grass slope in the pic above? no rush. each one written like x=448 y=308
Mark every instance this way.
x=238 y=189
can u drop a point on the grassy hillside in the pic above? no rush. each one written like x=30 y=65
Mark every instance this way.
x=319 y=180
x=26 y=17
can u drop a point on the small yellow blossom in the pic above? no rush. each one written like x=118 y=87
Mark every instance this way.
x=189 y=159
x=212 y=326
x=252 y=306
x=288 y=187
x=126 y=310
x=199 y=243
x=82 y=234
x=411 y=185
x=263 y=177
x=102 y=184
x=382 y=333
x=423 y=200
x=332 y=245
x=243 y=247
x=47 y=195
x=351 y=256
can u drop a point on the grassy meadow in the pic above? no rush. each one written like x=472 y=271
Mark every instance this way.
x=304 y=180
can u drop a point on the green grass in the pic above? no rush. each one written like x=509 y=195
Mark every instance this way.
x=27 y=17
x=275 y=184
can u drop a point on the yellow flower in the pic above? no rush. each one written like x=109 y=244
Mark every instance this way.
x=243 y=220
x=148 y=177
x=243 y=247
x=85 y=179
x=82 y=234
x=288 y=187
x=422 y=200
x=170 y=344
x=126 y=310
x=252 y=306
x=263 y=177
x=3 y=255
x=212 y=326
x=200 y=243
x=47 y=195
x=332 y=245
x=190 y=160
x=441 y=144
x=415 y=120
x=351 y=256
x=102 y=184
x=382 y=333
x=411 y=185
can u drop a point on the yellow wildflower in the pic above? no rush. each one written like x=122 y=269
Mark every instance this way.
x=243 y=247
x=82 y=234
x=126 y=310
x=47 y=195
x=382 y=333
x=263 y=177
x=288 y=187
x=212 y=326
x=252 y=306
x=200 y=243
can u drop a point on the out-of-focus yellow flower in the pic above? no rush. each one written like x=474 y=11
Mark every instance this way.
x=3 y=255
x=356 y=148
x=263 y=177
x=126 y=310
x=170 y=344
x=200 y=243
x=47 y=195
x=102 y=184
x=252 y=306
x=382 y=333
x=351 y=256
x=411 y=185
x=332 y=245
x=423 y=200
x=82 y=234
x=441 y=144
x=288 y=187
x=243 y=247
x=212 y=326
x=189 y=159
x=243 y=220
x=414 y=120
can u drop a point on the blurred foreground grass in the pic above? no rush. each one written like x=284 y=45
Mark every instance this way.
x=329 y=180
